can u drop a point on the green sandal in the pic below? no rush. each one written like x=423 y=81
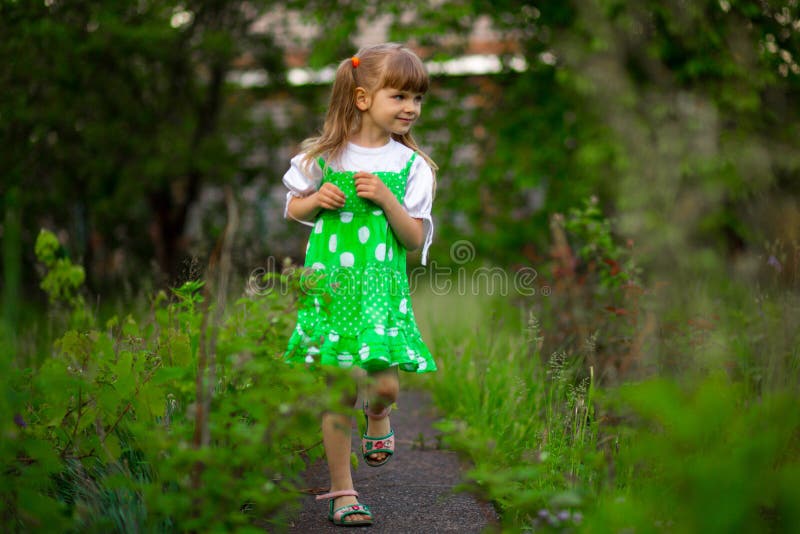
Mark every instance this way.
x=338 y=515
x=371 y=445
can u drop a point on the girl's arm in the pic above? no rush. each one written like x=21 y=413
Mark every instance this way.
x=408 y=229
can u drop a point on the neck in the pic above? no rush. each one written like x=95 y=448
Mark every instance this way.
x=370 y=137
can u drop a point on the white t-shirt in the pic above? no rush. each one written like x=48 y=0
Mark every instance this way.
x=302 y=180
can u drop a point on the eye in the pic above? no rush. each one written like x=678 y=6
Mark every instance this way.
x=418 y=99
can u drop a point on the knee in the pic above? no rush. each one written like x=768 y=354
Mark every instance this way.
x=349 y=399
x=348 y=391
x=387 y=387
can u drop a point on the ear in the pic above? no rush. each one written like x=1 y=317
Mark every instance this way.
x=363 y=100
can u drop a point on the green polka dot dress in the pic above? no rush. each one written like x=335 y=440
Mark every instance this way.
x=355 y=306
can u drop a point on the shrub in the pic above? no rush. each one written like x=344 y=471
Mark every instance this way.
x=166 y=422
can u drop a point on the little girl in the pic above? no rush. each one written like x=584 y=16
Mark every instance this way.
x=367 y=190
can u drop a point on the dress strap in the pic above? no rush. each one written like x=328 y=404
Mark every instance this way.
x=410 y=162
x=322 y=164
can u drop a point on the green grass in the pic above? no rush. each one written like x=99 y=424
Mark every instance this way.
x=679 y=415
x=702 y=437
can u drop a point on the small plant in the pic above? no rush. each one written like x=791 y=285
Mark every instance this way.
x=598 y=248
x=597 y=293
x=63 y=279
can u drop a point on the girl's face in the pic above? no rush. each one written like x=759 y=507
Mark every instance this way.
x=390 y=111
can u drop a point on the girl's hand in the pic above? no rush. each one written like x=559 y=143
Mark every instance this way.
x=372 y=188
x=330 y=197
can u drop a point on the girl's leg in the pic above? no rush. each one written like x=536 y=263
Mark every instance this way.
x=382 y=390
x=336 y=435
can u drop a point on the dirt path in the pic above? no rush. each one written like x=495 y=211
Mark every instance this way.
x=413 y=492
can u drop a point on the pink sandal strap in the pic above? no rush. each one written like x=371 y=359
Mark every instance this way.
x=340 y=493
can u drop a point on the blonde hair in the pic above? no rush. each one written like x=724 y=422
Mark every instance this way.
x=379 y=66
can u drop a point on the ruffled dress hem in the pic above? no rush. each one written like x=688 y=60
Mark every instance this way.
x=374 y=349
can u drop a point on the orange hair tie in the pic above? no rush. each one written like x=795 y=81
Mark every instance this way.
x=355 y=61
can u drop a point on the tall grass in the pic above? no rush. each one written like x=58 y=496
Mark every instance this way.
x=521 y=418
x=701 y=435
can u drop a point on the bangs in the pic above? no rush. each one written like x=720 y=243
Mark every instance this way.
x=405 y=72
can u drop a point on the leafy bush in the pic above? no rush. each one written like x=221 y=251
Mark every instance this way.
x=164 y=423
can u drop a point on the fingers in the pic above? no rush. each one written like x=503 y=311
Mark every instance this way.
x=330 y=204
x=333 y=191
x=330 y=196
x=365 y=178
x=367 y=184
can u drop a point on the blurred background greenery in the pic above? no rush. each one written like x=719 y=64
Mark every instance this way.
x=122 y=122
x=642 y=157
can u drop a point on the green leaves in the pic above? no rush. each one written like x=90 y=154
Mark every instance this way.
x=113 y=118
x=694 y=449
x=63 y=278
x=108 y=424
x=701 y=441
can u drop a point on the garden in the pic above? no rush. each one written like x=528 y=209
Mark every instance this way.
x=612 y=295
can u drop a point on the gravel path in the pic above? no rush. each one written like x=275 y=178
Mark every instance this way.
x=413 y=492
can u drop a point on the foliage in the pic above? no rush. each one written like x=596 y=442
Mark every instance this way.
x=526 y=426
x=677 y=117
x=107 y=434
x=704 y=459
x=557 y=452
x=560 y=443
x=596 y=247
x=116 y=114
x=63 y=280
x=596 y=294
x=667 y=113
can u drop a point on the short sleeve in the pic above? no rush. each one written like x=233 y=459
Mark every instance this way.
x=418 y=200
x=302 y=179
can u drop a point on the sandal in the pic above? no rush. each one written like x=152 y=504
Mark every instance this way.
x=371 y=445
x=338 y=515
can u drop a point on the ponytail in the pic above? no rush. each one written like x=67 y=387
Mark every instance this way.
x=341 y=120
